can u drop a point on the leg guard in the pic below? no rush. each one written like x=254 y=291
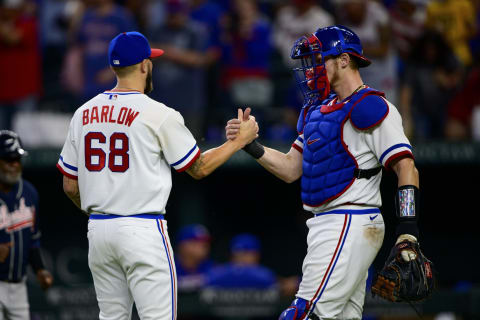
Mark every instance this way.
x=296 y=311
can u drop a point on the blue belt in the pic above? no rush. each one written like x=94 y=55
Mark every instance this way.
x=349 y=211
x=114 y=216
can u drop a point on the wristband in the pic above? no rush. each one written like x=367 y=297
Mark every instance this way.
x=407 y=210
x=254 y=149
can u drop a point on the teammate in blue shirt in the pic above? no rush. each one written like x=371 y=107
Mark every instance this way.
x=244 y=270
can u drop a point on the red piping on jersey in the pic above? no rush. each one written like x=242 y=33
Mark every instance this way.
x=122 y=90
x=173 y=270
x=190 y=163
x=68 y=175
x=328 y=108
x=405 y=153
x=330 y=264
x=297 y=147
x=29 y=221
x=351 y=156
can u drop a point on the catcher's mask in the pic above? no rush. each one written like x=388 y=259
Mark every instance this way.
x=11 y=146
x=312 y=51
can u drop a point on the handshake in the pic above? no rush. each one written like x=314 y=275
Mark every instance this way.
x=243 y=130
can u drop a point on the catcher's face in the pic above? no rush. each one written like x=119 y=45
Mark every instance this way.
x=10 y=172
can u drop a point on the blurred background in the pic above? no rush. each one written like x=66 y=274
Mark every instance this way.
x=241 y=222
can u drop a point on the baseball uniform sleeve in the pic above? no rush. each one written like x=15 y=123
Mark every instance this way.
x=68 y=162
x=388 y=140
x=298 y=143
x=177 y=142
x=36 y=231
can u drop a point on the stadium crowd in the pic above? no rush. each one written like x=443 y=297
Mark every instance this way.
x=222 y=54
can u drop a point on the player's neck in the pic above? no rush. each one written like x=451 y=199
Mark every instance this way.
x=129 y=85
x=348 y=86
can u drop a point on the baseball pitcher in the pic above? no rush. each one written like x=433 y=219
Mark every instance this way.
x=116 y=163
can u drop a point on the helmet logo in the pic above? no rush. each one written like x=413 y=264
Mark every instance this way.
x=15 y=145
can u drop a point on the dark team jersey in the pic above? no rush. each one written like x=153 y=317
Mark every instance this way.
x=18 y=226
x=192 y=280
x=234 y=276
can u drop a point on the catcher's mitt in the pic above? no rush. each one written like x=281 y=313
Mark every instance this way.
x=401 y=280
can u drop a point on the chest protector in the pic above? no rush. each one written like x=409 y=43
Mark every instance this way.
x=328 y=166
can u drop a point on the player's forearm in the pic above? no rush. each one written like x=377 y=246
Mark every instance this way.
x=76 y=200
x=212 y=159
x=71 y=189
x=406 y=172
x=286 y=167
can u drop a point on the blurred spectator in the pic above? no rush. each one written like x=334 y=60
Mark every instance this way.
x=154 y=13
x=55 y=18
x=408 y=23
x=455 y=20
x=246 y=52
x=475 y=41
x=179 y=78
x=300 y=17
x=244 y=269
x=294 y=20
x=192 y=259
x=464 y=109
x=86 y=68
x=432 y=76
x=371 y=22
x=20 y=65
x=208 y=13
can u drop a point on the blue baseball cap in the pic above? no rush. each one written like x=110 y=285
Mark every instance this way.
x=245 y=242
x=193 y=232
x=129 y=48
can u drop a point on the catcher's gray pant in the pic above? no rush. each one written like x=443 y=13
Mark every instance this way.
x=14 y=301
x=341 y=247
x=131 y=259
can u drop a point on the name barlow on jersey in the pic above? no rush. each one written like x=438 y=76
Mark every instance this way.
x=107 y=114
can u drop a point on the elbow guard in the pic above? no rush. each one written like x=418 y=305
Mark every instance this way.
x=407 y=210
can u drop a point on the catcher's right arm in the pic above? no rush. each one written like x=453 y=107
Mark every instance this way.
x=407 y=275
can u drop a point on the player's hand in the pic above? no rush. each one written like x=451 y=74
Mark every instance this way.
x=45 y=278
x=248 y=129
x=407 y=255
x=4 y=251
x=232 y=128
x=233 y=125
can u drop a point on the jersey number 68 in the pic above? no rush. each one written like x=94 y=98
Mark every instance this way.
x=119 y=153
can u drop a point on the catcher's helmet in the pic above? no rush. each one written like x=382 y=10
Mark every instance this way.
x=11 y=146
x=311 y=76
x=334 y=40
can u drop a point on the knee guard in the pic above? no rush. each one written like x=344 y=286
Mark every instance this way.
x=296 y=311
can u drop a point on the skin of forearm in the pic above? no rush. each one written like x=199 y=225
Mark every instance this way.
x=282 y=165
x=75 y=199
x=212 y=159
x=406 y=172
x=70 y=187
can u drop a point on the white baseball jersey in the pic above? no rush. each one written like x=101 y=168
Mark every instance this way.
x=373 y=147
x=120 y=147
x=346 y=233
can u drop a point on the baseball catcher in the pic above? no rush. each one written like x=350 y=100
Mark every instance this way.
x=407 y=275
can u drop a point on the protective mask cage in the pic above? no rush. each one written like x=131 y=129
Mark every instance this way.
x=309 y=70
